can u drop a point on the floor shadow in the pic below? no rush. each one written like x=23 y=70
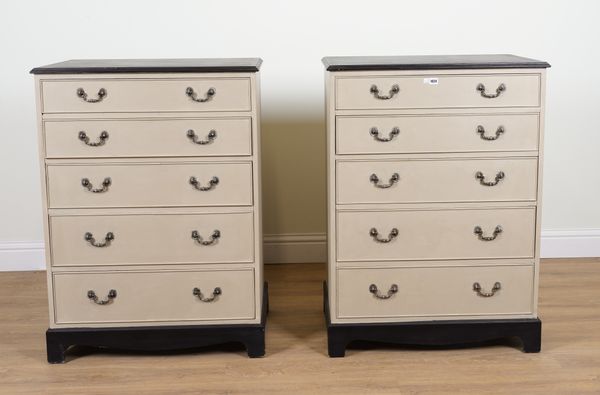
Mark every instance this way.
x=296 y=307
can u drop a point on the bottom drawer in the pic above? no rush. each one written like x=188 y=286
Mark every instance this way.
x=435 y=291
x=153 y=296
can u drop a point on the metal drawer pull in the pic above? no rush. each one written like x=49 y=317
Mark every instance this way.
x=211 y=184
x=375 y=235
x=112 y=294
x=215 y=294
x=101 y=139
x=373 y=289
x=477 y=288
x=393 y=91
x=194 y=96
x=375 y=180
x=481 y=131
x=84 y=96
x=88 y=185
x=213 y=238
x=499 y=176
x=481 y=88
x=479 y=232
x=375 y=133
x=110 y=236
x=209 y=138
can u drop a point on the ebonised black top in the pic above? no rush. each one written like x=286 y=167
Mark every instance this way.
x=430 y=62
x=93 y=66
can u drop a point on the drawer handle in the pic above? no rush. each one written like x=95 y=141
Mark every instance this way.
x=213 y=238
x=481 y=131
x=375 y=180
x=112 y=294
x=375 y=235
x=209 y=138
x=393 y=91
x=88 y=185
x=194 y=96
x=215 y=294
x=84 y=96
x=101 y=139
x=499 y=176
x=477 y=288
x=481 y=88
x=479 y=232
x=110 y=236
x=373 y=289
x=211 y=184
x=375 y=133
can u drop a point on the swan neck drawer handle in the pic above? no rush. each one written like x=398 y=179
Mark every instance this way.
x=88 y=185
x=211 y=184
x=481 y=88
x=483 y=294
x=375 y=235
x=213 y=238
x=481 y=131
x=499 y=177
x=81 y=93
x=479 y=232
x=393 y=179
x=112 y=294
x=210 y=137
x=393 y=91
x=375 y=133
x=101 y=139
x=215 y=294
x=373 y=289
x=110 y=236
x=189 y=91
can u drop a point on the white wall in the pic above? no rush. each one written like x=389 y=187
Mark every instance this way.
x=291 y=37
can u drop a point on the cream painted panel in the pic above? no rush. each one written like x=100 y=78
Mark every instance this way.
x=152 y=239
x=145 y=138
x=134 y=95
x=451 y=91
x=153 y=296
x=449 y=133
x=446 y=291
x=431 y=234
x=436 y=180
x=150 y=184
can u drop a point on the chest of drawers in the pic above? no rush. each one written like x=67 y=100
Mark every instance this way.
x=151 y=182
x=434 y=189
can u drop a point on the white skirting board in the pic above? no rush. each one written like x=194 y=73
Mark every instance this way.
x=312 y=247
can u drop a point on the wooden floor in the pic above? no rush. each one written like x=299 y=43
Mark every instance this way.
x=296 y=360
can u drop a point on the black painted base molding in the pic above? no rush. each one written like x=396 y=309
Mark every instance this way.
x=431 y=333
x=162 y=338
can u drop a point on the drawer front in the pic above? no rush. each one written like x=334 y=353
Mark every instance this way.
x=451 y=91
x=157 y=137
x=152 y=239
x=153 y=296
x=150 y=185
x=433 y=235
x=442 y=291
x=424 y=134
x=134 y=95
x=464 y=180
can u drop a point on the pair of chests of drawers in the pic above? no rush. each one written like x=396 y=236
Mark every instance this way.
x=434 y=190
x=146 y=173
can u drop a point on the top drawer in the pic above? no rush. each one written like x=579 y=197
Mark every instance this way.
x=443 y=91
x=145 y=95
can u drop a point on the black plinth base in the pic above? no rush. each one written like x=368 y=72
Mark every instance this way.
x=431 y=333
x=252 y=336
